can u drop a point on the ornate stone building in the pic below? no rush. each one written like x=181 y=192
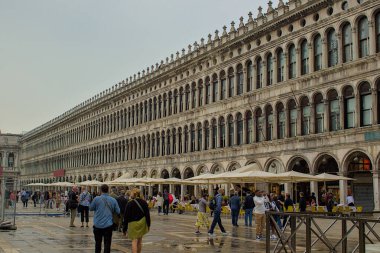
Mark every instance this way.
x=295 y=88
x=9 y=160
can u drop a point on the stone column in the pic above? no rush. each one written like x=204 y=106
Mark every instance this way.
x=160 y=188
x=376 y=188
x=343 y=190
x=355 y=44
x=275 y=125
x=265 y=73
x=374 y=106
x=372 y=38
x=196 y=140
x=275 y=70
x=254 y=75
x=212 y=91
x=326 y=116
x=245 y=80
x=183 y=141
x=341 y=112
x=171 y=189
x=299 y=121
x=245 y=134
x=325 y=53
x=312 y=119
x=182 y=191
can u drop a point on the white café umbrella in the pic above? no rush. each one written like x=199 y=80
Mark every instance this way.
x=330 y=177
x=90 y=183
x=62 y=184
x=292 y=177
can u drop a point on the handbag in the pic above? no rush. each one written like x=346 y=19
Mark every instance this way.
x=136 y=229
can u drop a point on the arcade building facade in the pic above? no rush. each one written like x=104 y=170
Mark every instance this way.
x=296 y=88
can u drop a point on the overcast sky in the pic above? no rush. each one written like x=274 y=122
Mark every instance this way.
x=54 y=54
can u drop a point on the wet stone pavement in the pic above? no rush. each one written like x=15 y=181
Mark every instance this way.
x=173 y=233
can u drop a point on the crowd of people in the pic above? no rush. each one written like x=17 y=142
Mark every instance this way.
x=126 y=211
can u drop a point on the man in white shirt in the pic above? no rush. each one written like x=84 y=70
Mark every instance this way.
x=259 y=214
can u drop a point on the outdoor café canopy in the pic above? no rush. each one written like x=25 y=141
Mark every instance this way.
x=331 y=177
x=62 y=184
x=36 y=184
x=90 y=183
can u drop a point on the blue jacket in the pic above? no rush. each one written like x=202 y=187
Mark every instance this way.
x=235 y=203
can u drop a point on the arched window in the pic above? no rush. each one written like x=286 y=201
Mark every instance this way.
x=165 y=103
x=292 y=62
x=378 y=100
x=363 y=37
x=179 y=140
x=317 y=52
x=175 y=100
x=207 y=136
x=269 y=122
x=292 y=108
x=249 y=127
x=259 y=120
x=230 y=131
x=168 y=144
x=334 y=110
x=269 y=70
x=187 y=98
x=186 y=133
x=280 y=65
x=223 y=85
x=208 y=91
x=319 y=113
x=259 y=73
x=215 y=88
x=239 y=125
x=231 y=82
x=158 y=152
x=153 y=146
x=222 y=132
x=365 y=104
x=192 y=138
x=199 y=133
x=200 y=92
x=193 y=95
x=146 y=111
x=174 y=143
x=332 y=47
x=162 y=143
x=133 y=115
x=349 y=107
x=280 y=121
x=170 y=103
x=377 y=26
x=249 y=76
x=304 y=58
x=214 y=134
x=181 y=99
x=240 y=79
x=305 y=114
x=347 y=42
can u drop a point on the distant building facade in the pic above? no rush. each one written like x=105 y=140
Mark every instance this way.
x=296 y=88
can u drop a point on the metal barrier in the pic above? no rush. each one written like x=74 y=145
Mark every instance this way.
x=356 y=229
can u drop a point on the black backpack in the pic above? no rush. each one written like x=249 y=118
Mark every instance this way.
x=212 y=204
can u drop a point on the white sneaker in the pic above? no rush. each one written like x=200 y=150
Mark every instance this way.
x=224 y=233
x=211 y=235
x=273 y=237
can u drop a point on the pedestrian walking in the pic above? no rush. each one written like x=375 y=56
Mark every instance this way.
x=218 y=199
x=166 y=202
x=34 y=198
x=24 y=198
x=202 y=219
x=248 y=207
x=159 y=202
x=259 y=213
x=122 y=202
x=72 y=204
x=84 y=204
x=235 y=209
x=58 y=200
x=104 y=207
x=136 y=220
x=288 y=202
x=302 y=203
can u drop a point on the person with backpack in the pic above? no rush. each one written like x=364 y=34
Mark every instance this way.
x=166 y=202
x=248 y=207
x=235 y=209
x=72 y=204
x=216 y=203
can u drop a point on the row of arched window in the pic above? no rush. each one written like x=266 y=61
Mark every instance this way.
x=297 y=117
x=293 y=61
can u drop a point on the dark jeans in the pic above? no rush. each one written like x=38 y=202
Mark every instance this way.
x=248 y=217
x=216 y=220
x=166 y=207
x=25 y=203
x=235 y=216
x=159 y=209
x=99 y=233
x=84 y=213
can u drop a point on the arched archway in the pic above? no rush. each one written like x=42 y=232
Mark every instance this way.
x=300 y=164
x=326 y=163
x=165 y=174
x=275 y=166
x=189 y=189
x=359 y=166
x=177 y=188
